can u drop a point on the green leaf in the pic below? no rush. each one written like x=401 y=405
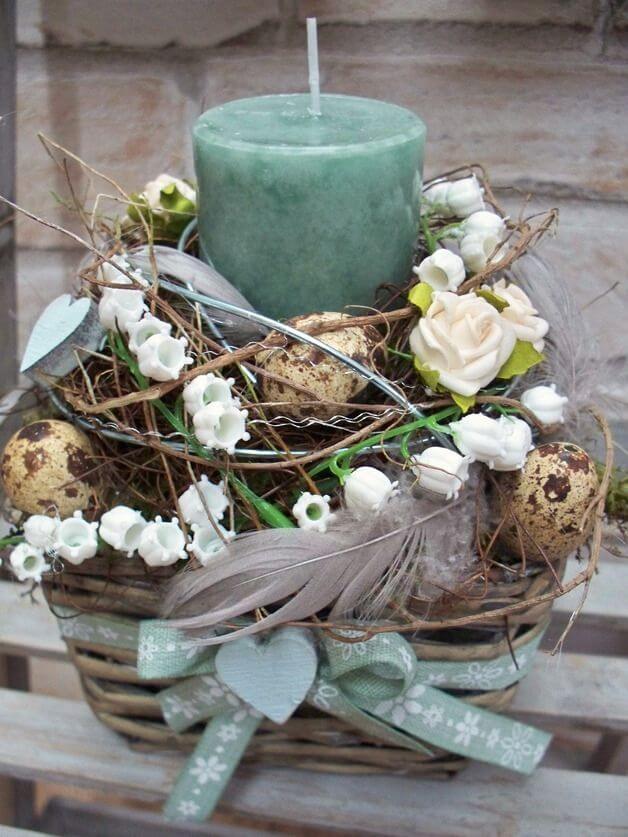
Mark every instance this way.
x=524 y=356
x=492 y=299
x=465 y=402
x=429 y=376
x=421 y=296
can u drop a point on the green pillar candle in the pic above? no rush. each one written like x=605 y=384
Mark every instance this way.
x=307 y=213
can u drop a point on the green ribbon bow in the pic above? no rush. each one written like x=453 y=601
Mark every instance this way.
x=377 y=686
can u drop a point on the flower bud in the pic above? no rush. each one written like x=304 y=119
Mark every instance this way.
x=76 y=539
x=436 y=195
x=148 y=326
x=441 y=470
x=121 y=527
x=479 y=438
x=162 y=357
x=483 y=223
x=152 y=190
x=312 y=512
x=546 y=404
x=220 y=426
x=41 y=530
x=200 y=496
x=443 y=270
x=28 y=562
x=517 y=443
x=464 y=197
x=162 y=543
x=367 y=491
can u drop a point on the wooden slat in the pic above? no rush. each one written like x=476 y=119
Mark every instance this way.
x=28 y=628
x=606 y=604
x=58 y=740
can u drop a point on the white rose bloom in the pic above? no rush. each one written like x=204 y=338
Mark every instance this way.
x=152 y=190
x=479 y=437
x=517 y=441
x=443 y=270
x=546 y=404
x=464 y=339
x=441 y=470
x=367 y=491
x=521 y=314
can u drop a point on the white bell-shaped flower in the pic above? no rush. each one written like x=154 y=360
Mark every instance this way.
x=443 y=270
x=479 y=437
x=28 y=562
x=205 y=389
x=120 y=308
x=202 y=497
x=121 y=527
x=148 y=326
x=162 y=543
x=465 y=196
x=115 y=271
x=477 y=248
x=221 y=426
x=76 y=539
x=484 y=223
x=436 y=195
x=367 y=490
x=517 y=441
x=207 y=543
x=545 y=403
x=441 y=470
x=162 y=357
x=312 y=512
x=41 y=530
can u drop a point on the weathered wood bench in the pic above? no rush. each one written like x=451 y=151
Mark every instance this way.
x=575 y=695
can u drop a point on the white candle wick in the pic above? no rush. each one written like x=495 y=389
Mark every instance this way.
x=312 y=62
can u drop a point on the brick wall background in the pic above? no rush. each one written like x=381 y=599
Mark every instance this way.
x=535 y=89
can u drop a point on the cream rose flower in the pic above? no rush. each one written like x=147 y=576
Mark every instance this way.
x=464 y=339
x=521 y=314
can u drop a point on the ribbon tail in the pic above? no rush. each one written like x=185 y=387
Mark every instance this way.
x=207 y=772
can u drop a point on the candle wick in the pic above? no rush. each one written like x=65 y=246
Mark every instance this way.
x=312 y=63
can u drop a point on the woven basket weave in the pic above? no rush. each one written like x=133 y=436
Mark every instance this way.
x=310 y=739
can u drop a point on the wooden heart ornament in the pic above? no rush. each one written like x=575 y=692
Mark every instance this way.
x=273 y=675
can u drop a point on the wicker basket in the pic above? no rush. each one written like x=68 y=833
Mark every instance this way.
x=310 y=739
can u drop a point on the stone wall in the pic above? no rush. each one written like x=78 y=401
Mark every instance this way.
x=535 y=89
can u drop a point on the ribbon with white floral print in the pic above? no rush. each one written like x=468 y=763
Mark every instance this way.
x=378 y=686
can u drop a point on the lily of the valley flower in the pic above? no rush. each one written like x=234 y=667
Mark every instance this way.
x=121 y=527
x=202 y=497
x=28 y=562
x=476 y=248
x=546 y=404
x=517 y=441
x=152 y=190
x=456 y=198
x=120 y=308
x=162 y=357
x=367 y=490
x=503 y=443
x=148 y=326
x=312 y=512
x=207 y=543
x=221 y=426
x=162 y=543
x=443 y=270
x=484 y=222
x=521 y=314
x=441 y=470
x=76 y=539
x=205 y=389
x=41 y=530
x=114 y=272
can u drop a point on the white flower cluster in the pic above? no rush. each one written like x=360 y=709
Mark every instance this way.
x=159 y=542
x=219 y=423
x=159 y=355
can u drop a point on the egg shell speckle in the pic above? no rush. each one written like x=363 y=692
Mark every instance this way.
x=549 y=498
x=39 y=460
x=326 y=378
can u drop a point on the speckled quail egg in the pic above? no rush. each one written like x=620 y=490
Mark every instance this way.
x=47 y=468
x=549 y=498
x=311 y=369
